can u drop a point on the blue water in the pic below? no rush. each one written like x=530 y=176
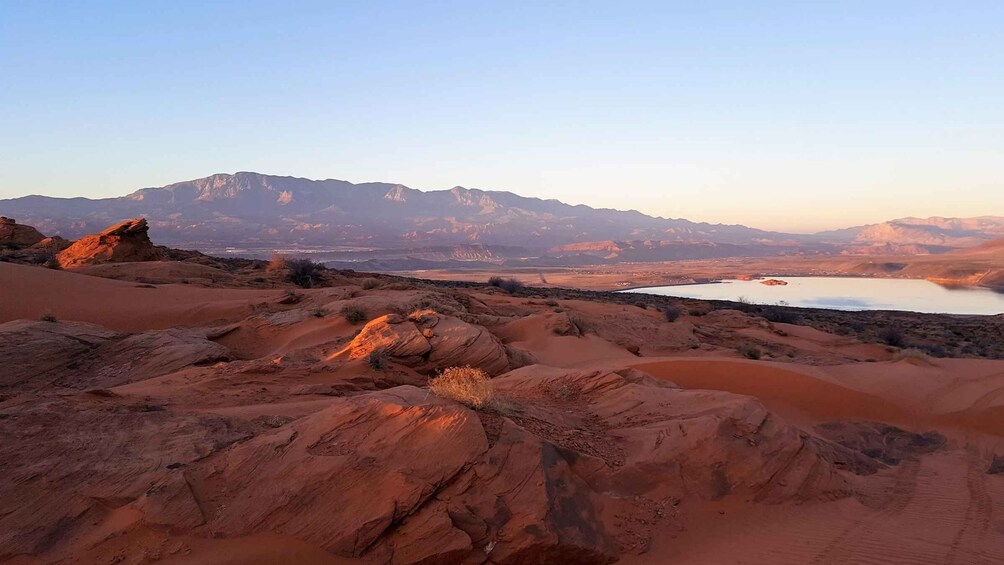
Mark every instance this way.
x=845 y=293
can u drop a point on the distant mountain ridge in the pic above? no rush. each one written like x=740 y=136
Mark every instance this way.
x=934 y=231
x=259 y=211
x=251 y=208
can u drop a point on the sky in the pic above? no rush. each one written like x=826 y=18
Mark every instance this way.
x=795 y=116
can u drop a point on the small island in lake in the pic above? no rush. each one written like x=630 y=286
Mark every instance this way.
x=774 y=282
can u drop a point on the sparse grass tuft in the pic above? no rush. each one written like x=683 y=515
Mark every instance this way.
x=467 y=385
x=370 y=284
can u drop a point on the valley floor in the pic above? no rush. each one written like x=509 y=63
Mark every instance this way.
x=978 y=270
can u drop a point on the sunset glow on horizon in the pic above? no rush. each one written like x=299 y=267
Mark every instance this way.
x=781 y=116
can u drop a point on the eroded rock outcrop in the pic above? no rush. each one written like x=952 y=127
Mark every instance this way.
x=13 y=234
x=125 y=242
x=78 y=355
x=579 y=468
x=428 y=341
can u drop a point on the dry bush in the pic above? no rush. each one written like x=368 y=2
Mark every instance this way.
x=892 y=336
x=419 y=315
x=749 y=351
x=378 y=359
x=672 y=313
x=512 y=286
x=354 y=314
x=301 y=272
x=912 y=355
x=370 y=284
x=47 y=317
x=467 y=385
x=276 y=263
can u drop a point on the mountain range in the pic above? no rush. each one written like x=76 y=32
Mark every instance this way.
x=257 y=212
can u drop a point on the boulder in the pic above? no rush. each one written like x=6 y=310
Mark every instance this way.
x=428 y=341
x=125 y=242
x=13 y=234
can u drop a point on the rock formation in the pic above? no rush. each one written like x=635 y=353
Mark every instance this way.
x=122 y=243
x=428 y=341
x=13 y=234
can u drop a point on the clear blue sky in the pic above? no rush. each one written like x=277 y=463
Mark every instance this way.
x=795 y=116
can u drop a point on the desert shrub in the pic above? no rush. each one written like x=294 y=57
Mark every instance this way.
x=892 y=336
x=780 y=316
x=749 y=351
x=377 y=359
x=511 y=286
x=302 y=272
x=370 y=284
x=672 y=313
x=354 y=314
x=52 y=263
x=276 y=263
x=319 y=313
x=641 y=305
x=933 y=349
x=467 y=385
x=47 y=317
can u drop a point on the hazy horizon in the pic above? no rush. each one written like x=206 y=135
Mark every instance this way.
x=425 y=189
x=797 y=118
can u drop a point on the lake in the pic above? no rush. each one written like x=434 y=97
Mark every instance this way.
x=846 y=293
